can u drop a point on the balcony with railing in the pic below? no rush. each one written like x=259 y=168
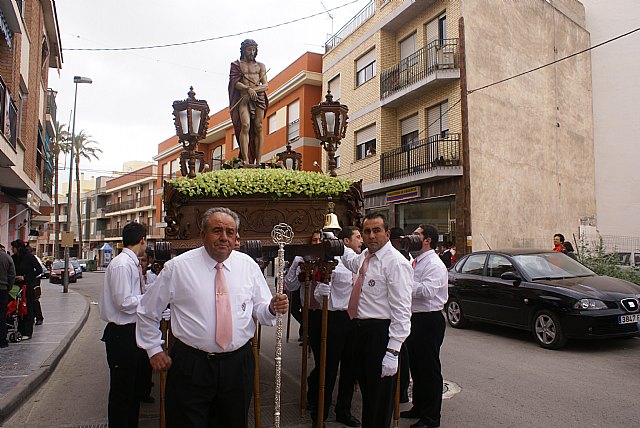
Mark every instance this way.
x=356 y=22
x=435 y=63
x=110 y=234
x=132 y=204
x=8 y=116
x=437 y=156
x=52 y=107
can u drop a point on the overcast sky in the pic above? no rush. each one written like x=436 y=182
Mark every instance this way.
x=128 y=109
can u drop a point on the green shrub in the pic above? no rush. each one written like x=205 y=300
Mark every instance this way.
x=248 y=181
x=604 y=263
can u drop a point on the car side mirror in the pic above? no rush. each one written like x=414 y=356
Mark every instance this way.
x=511 y=276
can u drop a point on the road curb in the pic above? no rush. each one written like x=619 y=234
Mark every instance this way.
x=21 y=392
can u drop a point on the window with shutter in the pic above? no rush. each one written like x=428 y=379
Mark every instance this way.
x=366 y=67
x=334 y=87
x=409 y=130
x=366 y=142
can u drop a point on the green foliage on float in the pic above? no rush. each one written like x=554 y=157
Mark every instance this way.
x=277 y=183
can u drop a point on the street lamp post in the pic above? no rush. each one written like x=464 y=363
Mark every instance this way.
x=330 y=126
x=65 y=276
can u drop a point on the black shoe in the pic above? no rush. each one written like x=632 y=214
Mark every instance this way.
x=39 y=322
x=148 y=400
x=4 y=344
x=420 y=424
x=348 y=420
x=410 y=414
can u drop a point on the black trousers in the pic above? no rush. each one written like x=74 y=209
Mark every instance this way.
x=296 y=308
x=37 y=308
x=25 y=325
x=125 y=359
x=339 y=355
x=4 y=301
x=423 y=344
x=371 y=340
x=209 y=391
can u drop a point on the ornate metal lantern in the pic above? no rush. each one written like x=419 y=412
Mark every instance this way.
x=191 y=118
x=330 y=126
x=291 y=159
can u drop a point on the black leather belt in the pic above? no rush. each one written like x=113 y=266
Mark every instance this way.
x=181 y=346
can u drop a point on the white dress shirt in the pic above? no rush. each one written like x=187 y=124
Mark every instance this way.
x=187 y=282
x=341 y=286
x=430 y=283
x=386 y=292
x=121 y=292
x=291 y=282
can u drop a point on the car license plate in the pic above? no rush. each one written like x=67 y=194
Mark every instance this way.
x=628 y=319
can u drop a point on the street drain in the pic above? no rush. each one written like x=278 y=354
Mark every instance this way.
x=449 y=389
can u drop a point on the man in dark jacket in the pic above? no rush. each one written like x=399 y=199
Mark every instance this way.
x=7 y=278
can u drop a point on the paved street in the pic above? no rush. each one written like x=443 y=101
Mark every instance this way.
x=505 y=378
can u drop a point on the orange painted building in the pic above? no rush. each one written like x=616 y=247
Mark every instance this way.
x=291 y=94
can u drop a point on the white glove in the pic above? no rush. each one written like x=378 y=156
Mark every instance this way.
x=329 y=235
x=389 y=364
x=321 y=290
x=166 y=314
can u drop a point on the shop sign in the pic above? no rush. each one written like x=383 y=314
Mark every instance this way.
x=403 y=194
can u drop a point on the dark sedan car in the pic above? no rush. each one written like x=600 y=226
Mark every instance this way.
x=545 y=292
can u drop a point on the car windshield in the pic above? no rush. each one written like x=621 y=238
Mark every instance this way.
x=551 y=266
x=57 y=265
x=74 y=263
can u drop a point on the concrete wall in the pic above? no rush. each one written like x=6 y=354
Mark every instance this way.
x=616 y=91
x=531 y=140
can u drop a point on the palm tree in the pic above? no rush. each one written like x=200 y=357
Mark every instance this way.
x=60 y=144
x=83 y=147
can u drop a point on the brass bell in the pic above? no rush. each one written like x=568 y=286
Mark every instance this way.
x=331 y=220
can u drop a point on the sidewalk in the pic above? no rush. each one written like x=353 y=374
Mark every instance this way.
x=26 y=365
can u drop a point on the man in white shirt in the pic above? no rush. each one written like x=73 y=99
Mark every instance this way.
x=214 y=293
x=339 y=336
x=380 y=302
x=430 y=293
x=121 y=294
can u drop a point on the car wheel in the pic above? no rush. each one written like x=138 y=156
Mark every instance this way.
x=547 y=330
x=454 y=314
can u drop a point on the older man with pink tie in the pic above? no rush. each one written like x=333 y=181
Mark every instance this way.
x=214 y=292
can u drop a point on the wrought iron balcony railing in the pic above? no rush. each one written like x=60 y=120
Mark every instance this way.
x=351 y=26
x=144 y=201
x=52 y=107
x=437 y=55
x=421 y=156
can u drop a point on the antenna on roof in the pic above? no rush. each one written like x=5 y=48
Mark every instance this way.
x=485 y=242
x=330 y=16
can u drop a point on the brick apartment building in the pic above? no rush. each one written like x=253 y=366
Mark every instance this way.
x=505 y=166
x=130 y=197
x=292 y=93
x=30 y=46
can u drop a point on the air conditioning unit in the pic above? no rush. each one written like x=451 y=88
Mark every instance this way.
x=445 y=57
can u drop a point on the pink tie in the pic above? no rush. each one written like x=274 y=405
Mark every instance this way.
x=223 y=310
x=354 y=299
x=141 y=282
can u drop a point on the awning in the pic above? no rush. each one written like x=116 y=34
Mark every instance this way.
x=106 y=247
